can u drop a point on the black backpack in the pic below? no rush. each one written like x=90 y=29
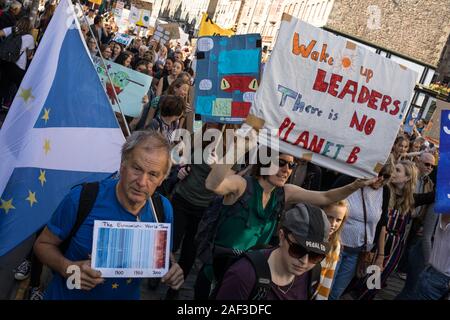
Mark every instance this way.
x=209 y=224
x=10 y=47
x=262 y=272
x=89 y=192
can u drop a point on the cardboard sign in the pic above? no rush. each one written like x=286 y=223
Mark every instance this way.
x=129 y=85
x=139 y=17
x=127 y=249
x=443 y=173
x=161 y=35
x=172 y=29
x=331 y=101
x=432 y=131
x=227 y=77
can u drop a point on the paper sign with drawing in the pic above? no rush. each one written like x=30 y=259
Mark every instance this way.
x=331 y=101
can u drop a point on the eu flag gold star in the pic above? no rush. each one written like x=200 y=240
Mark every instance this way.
x=129 y=281
x=115 y=285
x=31 y=197
x=7 y=205
x=46 y=115
x=42 y=178
x=26 y=94
x=46 y=146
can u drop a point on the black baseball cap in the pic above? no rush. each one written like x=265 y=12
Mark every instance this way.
x=309 y=226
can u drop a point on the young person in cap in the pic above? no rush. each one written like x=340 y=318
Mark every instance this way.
x=303 y=234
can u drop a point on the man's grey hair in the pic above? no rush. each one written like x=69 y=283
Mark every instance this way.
x=151 y=140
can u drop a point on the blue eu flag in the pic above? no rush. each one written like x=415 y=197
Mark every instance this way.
x=60 y=132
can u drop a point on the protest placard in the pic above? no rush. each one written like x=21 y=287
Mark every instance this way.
x=443 y=173
x=227 y=76
x=411 y=120
x=122 y=19
x=331 y=101
x=161 y=35
x=140 y=13
x=173 y=29
x=123 y=38
x=432 y=130
x=126 y=249
x=130 y=86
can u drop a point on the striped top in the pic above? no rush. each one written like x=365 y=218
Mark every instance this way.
x=327 y=274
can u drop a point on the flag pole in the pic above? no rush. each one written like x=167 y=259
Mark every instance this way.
x=109 y=77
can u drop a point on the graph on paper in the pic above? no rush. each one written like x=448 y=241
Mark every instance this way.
x=131 y=249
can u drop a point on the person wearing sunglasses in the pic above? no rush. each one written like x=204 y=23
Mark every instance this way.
x=303 y=244
x=266 y=192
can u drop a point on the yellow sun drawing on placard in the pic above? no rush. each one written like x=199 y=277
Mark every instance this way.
x=347 y=62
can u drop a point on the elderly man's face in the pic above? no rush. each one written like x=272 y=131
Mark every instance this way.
x=426 y=164
x=141 y=174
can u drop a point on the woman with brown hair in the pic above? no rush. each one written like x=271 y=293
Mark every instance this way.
x=166 y=81
x=400 y=149
x=402 y=203
x=179 y=88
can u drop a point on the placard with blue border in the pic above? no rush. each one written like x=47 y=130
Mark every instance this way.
x=227 y=77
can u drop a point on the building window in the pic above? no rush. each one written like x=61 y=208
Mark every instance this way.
x=302 y=9
x=326 y=8
x=320 y=10
x=305 y=13
x=311 y=11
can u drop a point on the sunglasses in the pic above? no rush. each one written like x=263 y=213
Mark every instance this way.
x=282 y=163
x=297 y=251
x=428 y=165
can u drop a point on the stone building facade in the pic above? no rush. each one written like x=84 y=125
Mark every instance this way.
x=415 y=28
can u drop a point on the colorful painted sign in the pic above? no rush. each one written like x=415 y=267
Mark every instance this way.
x=331 y=101
x=123 y=38
x=227 y=77
x=129 y=85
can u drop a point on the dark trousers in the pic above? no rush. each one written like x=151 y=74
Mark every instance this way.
x=202 y=286
x=10 y=78
x=186 y=220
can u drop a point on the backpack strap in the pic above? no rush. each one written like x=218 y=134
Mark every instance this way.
x=89 y=192
x=159 y=207
x=262 y=272
x=314 y=280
